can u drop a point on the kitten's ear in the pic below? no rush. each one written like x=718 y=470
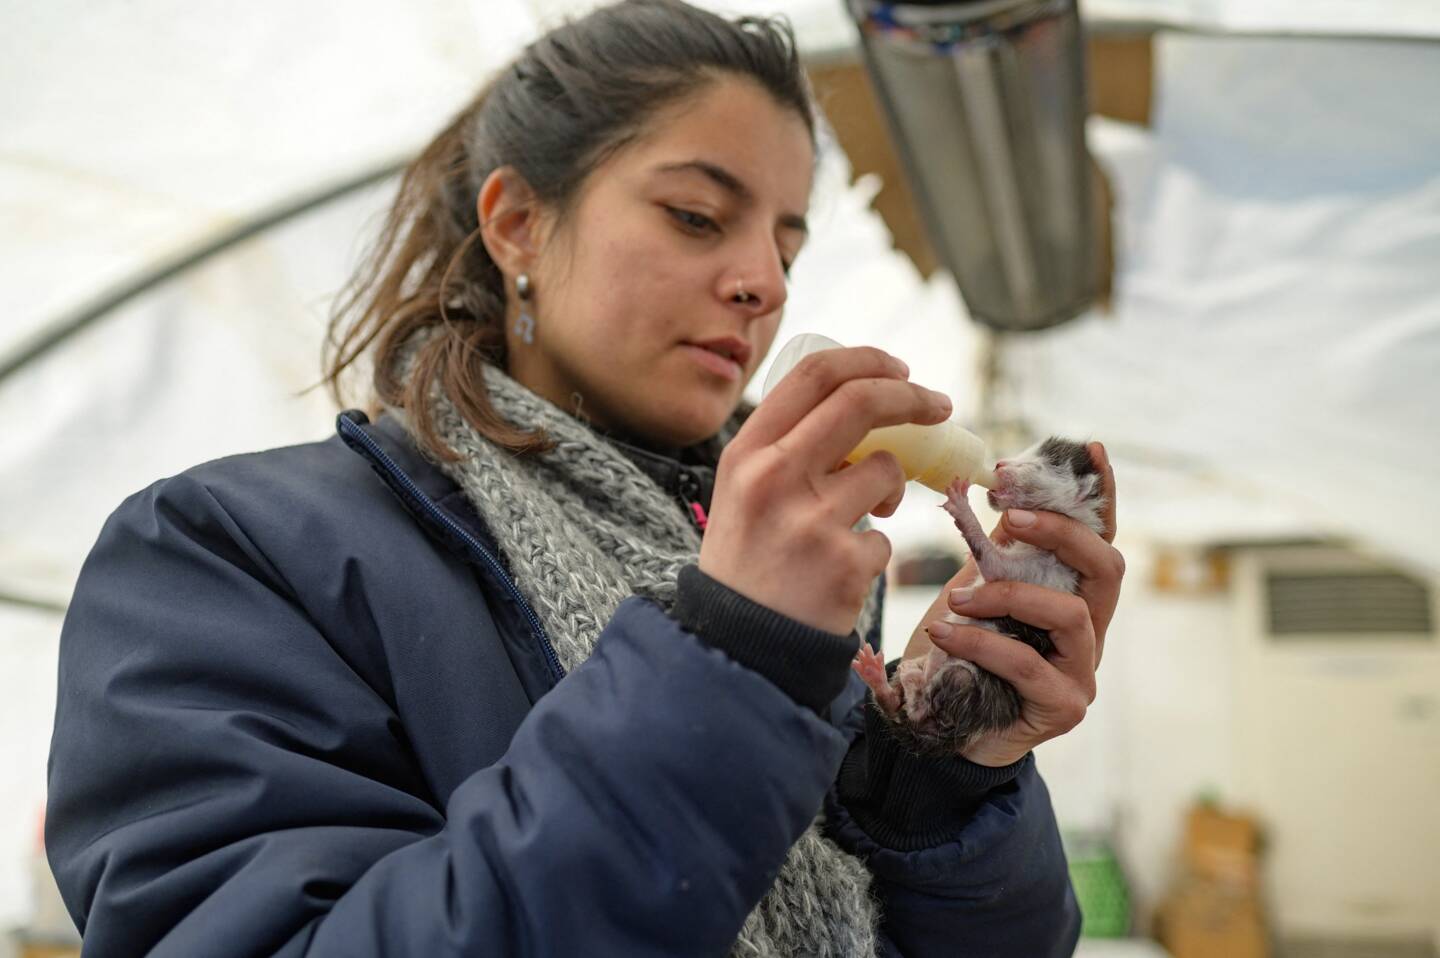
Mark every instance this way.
x=1088 y=486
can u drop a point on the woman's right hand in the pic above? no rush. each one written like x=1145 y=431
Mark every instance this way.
x=781 y=517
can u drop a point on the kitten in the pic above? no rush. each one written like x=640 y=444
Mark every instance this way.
x=937 y=702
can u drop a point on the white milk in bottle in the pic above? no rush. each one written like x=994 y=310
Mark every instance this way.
x=933 y=456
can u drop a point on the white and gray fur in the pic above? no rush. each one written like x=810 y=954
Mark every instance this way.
x=937 y=702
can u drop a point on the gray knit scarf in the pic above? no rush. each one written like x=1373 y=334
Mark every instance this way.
x=583 y=528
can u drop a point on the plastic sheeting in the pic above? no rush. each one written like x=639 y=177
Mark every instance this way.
x=135 y=130
x=1273 y=365
x=1374 y=18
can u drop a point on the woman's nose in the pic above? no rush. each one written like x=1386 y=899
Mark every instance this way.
x=759 y=286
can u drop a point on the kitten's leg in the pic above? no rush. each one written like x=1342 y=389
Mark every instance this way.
x=871 y=668
x=992 y=560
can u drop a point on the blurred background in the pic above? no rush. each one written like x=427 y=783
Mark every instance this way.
x=1241 y=201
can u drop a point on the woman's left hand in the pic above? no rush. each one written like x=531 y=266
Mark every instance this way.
x=1055 y=689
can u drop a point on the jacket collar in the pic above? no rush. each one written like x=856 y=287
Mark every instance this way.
x=429 y=494
x=680 y=472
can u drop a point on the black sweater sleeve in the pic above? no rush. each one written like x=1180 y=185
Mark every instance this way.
x=903 y=800
x=809 y=664
x=908 y=801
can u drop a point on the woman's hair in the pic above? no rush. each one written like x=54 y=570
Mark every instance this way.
x=560 y=109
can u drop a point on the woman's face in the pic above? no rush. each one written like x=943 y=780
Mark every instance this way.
x=664 y=236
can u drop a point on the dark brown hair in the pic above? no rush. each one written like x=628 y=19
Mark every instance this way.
x=564 y=105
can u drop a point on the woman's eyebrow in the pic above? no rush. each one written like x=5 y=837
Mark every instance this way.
x=733 y=185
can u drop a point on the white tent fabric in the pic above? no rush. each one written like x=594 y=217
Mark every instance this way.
x=1276 y=342
x=1270 y=369
x=1386 y=18
x=144 y=128
x=108 y=167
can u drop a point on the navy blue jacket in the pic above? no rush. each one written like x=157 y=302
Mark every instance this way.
x=304 y=710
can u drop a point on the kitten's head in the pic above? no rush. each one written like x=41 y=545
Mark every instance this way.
x=1055 y=475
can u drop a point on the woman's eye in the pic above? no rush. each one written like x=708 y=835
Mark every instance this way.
x=704 y=224
x=695 y=221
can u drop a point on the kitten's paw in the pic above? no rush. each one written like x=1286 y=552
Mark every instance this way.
x=871 y=668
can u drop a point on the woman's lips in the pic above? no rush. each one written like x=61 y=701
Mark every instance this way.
x=717 y=364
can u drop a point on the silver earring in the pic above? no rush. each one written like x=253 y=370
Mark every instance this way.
x=524 y=323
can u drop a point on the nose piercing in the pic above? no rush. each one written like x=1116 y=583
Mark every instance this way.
x=740 y=295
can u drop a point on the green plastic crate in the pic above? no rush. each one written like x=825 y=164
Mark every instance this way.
x=1099 y=886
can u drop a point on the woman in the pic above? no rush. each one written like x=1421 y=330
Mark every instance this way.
x=553 y=656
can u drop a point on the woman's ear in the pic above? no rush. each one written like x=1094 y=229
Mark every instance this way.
x=510 y=221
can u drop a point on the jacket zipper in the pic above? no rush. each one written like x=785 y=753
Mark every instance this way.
x=353 y=431
x=690 y=498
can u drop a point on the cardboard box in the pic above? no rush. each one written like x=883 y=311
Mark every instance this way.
x=1203 y=919
x=1214 y=908
x=1223 y=847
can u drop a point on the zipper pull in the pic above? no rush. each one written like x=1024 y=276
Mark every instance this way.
x=689 y=494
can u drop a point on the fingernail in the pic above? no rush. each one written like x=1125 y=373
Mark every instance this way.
x=900 y=365
x=1020 y=518
x=962 y=595
x=940 y=630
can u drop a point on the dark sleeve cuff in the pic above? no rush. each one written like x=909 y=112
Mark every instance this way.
x=809 y=664
x=907 y=801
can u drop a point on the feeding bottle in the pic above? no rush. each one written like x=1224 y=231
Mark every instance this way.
x=933 y=456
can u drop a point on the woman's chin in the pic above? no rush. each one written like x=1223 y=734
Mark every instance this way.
x=703 y=428
x=678 y=428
